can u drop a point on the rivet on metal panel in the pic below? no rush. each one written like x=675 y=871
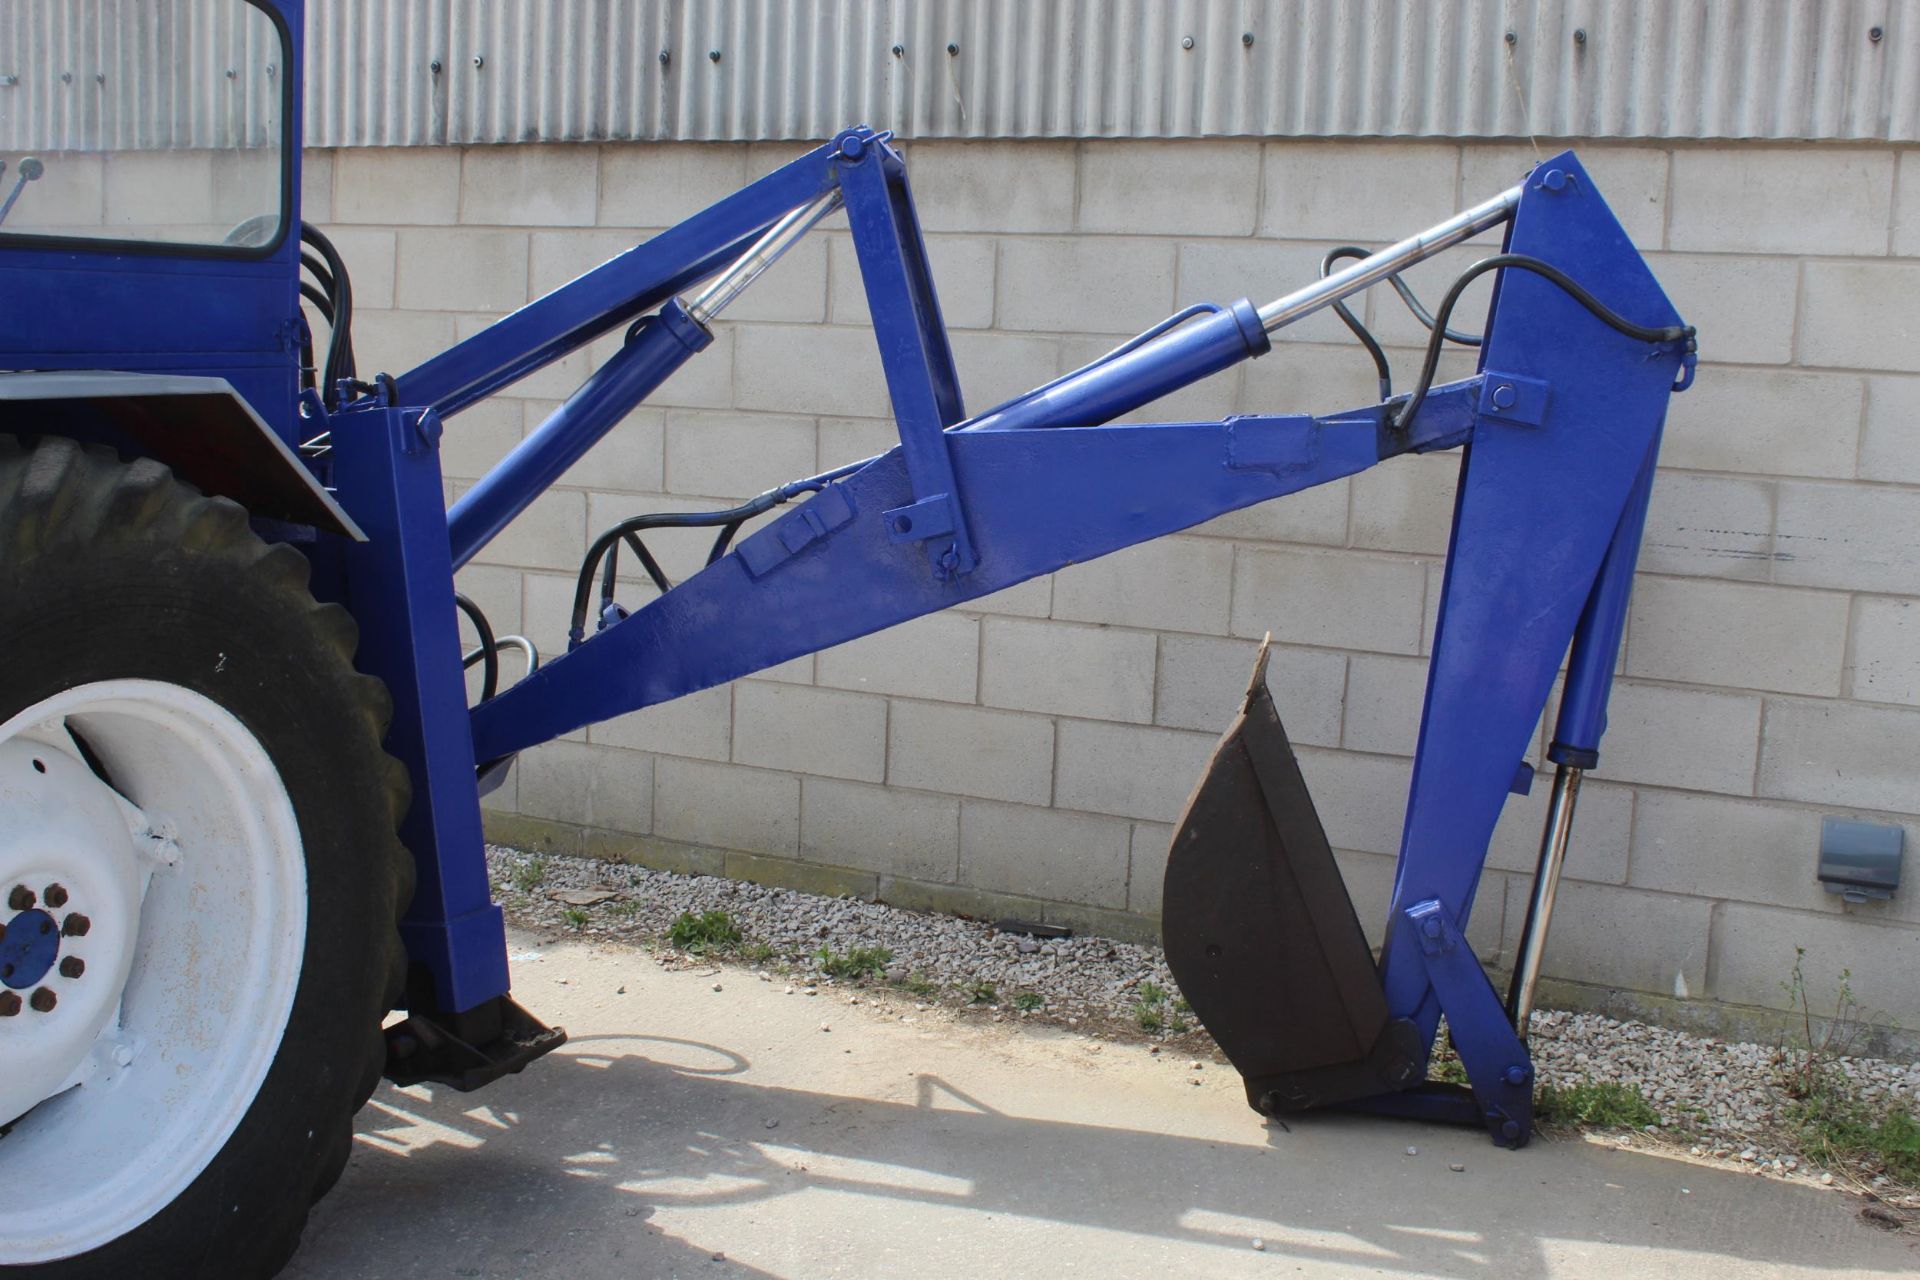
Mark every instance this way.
x=953 y=50
x=66 y=77
x=713 y=55
x=899 y=51
x=99 y=77
x=8 y=81
x=666 y=57
x=1579 y=35
x=1186 y=42
x=1512 y=39
x=1246 y=39
x=479 y=61
x=1504 y=396
x=1875 y=33
x=434 y=66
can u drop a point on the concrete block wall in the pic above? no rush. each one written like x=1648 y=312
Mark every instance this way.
x=1026 y=754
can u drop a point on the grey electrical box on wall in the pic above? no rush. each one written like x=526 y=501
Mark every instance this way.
x=1860 y=860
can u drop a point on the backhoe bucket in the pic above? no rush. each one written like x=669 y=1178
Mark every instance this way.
x=1262 y=938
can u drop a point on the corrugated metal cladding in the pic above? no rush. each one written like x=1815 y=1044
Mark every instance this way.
x=531 y=70
x=421 y=72
x=91 y=75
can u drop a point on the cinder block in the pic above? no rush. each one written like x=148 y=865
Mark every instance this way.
x=1842 y=753
x=1886 y=652
x=1737 y=635
x=593 y=786
x=399 y=186
x=316 y=187
x=997 y=755
x=1084 y=285
x=1203 y=681
x=1147 y=867
x=808 y=730
x=993 y=186
x=995 y=367
x=909 y=833
x=1714 y=847
x=1709 y=526
x=1406 y=505
x=549 y=534
x=1030 y=599
x=1841 y=535
x=1169 y=584
x=699 y=724
x=1861 y=316
x=558 y=257
x=1047 y=853
x=1773 y=421
x=631 y=458
x=369 y=255
x=543 y=185
x=1316 y=516
x=1053 y=667
x=1730 y=199
x=1890 y=437
x=1313 y=377
x=1337 y=599
x=1602 y=832
x=1906 y=206
x=461 y=270
x=796 y=369
x=479 y=436
x=845 y=440
x=1347 y=191
x=726 y=806
x=1361 y=800
x=807 y=877
x=1128 y=770
x=496 y=591
x=400 y=339
x=957 y=900
x=1743 y=307
x=1681 y=738
x=656 y=184
x=963 y=278
x=1181 y=188
x=1384 y=699
x=546 y=608
x=1617 y=937
x=732 y=455
x=934 y=656
x=1754 y=951
x=1633 y=181
x=793 y=671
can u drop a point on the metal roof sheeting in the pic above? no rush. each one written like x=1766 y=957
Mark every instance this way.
x=587 y=70
x=573 y=70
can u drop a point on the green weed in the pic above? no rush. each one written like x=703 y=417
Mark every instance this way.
x=708 y=931
x=1027 y=1001
x=576 y=918
x=855 y=962
x=1594 y=1104
x=981 y=991
x=528 y=876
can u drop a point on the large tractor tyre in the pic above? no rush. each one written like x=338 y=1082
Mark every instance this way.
x=200 y=879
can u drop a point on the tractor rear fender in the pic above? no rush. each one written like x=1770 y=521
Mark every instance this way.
x=199 y=426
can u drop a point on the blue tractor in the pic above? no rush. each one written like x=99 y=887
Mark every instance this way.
x=240 y=770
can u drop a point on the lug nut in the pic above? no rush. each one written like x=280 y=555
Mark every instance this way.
x=72 y=966
x=76 y=925
x=21 y=899
x=55 y=896
x=43 y=1000
x=9 y=1004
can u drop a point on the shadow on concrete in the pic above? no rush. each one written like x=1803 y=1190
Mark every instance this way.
x=566 y=1174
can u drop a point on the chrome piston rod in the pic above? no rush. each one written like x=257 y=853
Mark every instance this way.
x=1394 y=258
x=1546 y=883
x=747 y=268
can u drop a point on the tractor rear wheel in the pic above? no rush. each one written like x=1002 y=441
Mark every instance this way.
x=200 y=878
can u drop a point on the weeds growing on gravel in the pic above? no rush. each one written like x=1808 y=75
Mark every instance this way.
x=708 y=931
x=916 y=984
x=856 y=962
x=528 y=875
x=1027 y=1001
x=756 y=953
x=576 y=918
x=981 y=991
x=1832 y=1122
x=1595 y=1104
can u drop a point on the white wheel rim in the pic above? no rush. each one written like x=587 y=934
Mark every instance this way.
x=194 y=889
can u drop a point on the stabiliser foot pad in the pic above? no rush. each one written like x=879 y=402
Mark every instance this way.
x=1261 y=936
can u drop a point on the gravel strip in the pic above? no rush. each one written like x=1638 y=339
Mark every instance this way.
x=1717 y=1098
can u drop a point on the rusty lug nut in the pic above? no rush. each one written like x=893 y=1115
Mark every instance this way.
x=42 y=1000
x=9 y=1004
x=21 y=899
x=72 y=966
x=55 y=896
x=76 y=925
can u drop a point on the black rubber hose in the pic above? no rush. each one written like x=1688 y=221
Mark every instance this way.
x=489 y=651
x=339 y=362
x=1566 y=283
x=1382 y=370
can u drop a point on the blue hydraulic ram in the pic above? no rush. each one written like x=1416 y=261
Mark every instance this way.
x=1558 y=432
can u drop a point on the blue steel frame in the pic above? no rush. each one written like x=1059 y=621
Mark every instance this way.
x=1559 y=430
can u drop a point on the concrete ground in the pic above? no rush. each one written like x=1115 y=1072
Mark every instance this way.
x=745 y=1132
